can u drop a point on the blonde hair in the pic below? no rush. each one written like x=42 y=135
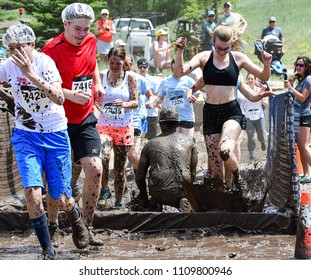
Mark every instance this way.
x=225 y=33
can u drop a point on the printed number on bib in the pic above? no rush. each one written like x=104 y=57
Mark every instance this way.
x=113 y=112
x=177 y=101
x=83 y=83
x=34 y=100
x=254 y=114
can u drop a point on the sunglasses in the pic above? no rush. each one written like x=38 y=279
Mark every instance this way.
x=300 y=65
x=142 y=67
x=220 y=49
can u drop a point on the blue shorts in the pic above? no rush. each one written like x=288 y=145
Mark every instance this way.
x=44 y=152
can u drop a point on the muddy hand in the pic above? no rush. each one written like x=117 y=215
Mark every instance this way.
x=181 y=42
x=21 y=60
x=81 y=97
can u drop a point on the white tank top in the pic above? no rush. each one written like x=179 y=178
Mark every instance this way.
x=112 y=115
x=254 y=110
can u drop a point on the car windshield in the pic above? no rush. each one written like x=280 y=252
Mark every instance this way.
x=134 y=24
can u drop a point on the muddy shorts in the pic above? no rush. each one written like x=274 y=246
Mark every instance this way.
x=305 y=121
x=84 y=138
x=185 y=124
x=215 y=115
x=121 y=136
x=49 y=152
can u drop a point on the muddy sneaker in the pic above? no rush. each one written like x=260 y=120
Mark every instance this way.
x=54 y=234
x=49 y=254
x=93 y=241
x=184 y=205
x=119 y=205
x=76 y=192
x=80 y=234
x=305 y=180
x=104 y=193
x=241 y=185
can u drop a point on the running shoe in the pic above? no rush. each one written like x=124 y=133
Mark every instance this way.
x=104 y=193
x=305 y=180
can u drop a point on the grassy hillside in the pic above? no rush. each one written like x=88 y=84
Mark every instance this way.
x=292 y=16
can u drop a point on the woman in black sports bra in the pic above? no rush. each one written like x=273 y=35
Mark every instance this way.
x=223 y=120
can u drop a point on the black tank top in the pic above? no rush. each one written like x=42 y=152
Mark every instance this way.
x=220 y=77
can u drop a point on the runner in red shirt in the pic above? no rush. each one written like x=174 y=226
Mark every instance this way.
x=74 y=53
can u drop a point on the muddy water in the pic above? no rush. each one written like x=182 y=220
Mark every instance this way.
x=120 y=245
x=165 y=246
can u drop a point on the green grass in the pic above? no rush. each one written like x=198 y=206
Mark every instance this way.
x=292 y=16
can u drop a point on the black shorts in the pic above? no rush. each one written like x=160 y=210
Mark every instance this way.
x=215 y=115
x=185 y=124
x=305 y=121
x=137 y=132
x=84 y=138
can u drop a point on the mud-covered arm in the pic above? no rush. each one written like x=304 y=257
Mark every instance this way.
x=140 y=178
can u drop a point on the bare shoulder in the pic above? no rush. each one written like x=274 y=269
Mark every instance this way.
x=200 y=59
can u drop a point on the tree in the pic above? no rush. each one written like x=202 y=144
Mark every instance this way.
x=47 y=13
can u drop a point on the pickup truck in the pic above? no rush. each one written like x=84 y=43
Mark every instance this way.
x=137 y=33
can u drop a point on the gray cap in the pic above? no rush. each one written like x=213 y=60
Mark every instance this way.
x=169 y=114
x=78 y=11
x=18 y=34
x=210 y=13
x=272 y=19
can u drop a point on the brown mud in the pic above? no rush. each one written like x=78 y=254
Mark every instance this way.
x=202 y=243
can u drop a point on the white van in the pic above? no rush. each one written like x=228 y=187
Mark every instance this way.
x=137 y=33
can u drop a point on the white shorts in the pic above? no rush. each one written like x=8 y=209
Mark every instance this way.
x=151 y=63
x=103 y=47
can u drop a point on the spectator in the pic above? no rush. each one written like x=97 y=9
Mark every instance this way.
x=160 y=52
x=104 y=29
x=139 y=113
x=74 y=52
x=170 y=158
x=40 y=136
x=234 y=20
x=272 y=29
x=255 y=117
x=223 y=120
x=115 y=122
x=208 y=28
x=154 y=83
x=21 y=10
x=119 y=43
x=302 y=98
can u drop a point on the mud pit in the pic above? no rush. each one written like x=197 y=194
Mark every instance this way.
x=190 y=245
x=216 y=242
